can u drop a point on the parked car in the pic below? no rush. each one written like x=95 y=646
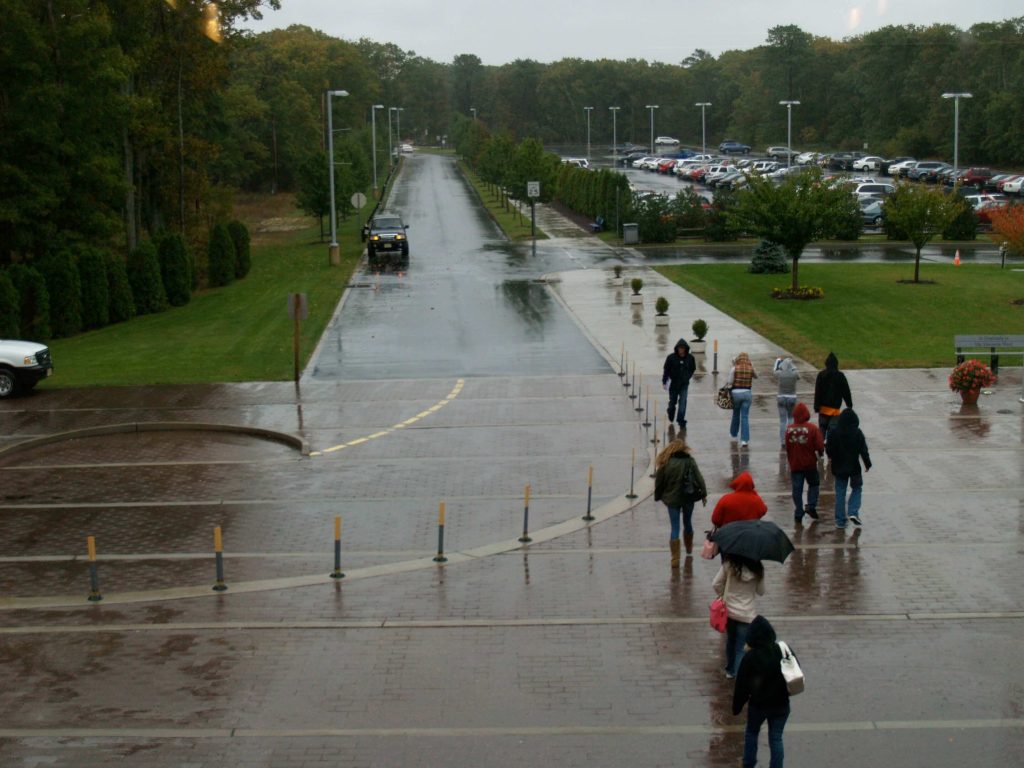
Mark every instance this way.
x=843 y=161
x=1012 y=186
x=922 y=167
x=992 y=184
x=639 y=162
x=874 y=187
x=936 y=175
x=975 y=177
x=23 y=364
x=764 y=166
x=981 y=199
x=902 y=168
x=780 y=153
x=730 y=147
x=983 y=212
x=869 y=163
x=666 y=141
x=807 y=158
x=579 y=162
x=733 y=180
x=666 y=166
x=872 y=212
x=713 y=172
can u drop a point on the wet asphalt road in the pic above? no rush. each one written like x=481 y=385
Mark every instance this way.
x=468 y=305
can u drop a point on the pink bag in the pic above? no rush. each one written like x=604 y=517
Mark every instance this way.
x=709 y=549
x=719 y=615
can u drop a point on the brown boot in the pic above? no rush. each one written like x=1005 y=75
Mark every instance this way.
x=673 y=546
x=688 y=542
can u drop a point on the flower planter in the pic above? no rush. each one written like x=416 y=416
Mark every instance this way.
x=660 y=320
x=618 y=280
x=698 y=347
x=969 y=396
x=636 y=298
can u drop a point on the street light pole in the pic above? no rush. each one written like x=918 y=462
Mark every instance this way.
x=956 y=129
x=373 y=123
x=398 y=124
x=391 y=150
x=703 y=127
x=652 y=107
x=615 y=141
x=588 y=110
x=333 y=249
x=789 y=130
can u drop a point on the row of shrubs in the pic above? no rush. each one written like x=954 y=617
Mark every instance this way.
x=67 y=292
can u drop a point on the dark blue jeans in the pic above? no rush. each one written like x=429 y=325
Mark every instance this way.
x=776 y=723
x=687 y=516
x=677 y=403
x=735 y=639
x=813 y=487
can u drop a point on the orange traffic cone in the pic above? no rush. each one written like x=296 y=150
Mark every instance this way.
x=956 y=259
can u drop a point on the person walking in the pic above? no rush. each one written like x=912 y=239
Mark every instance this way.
x=786 y=374
x=675 y=378
x=831 y=390
x=678 y=483
x=741 y=378
x=762 y=688
x=804 y=444
x=847 y=448
x=743 y=503
x=739 y=581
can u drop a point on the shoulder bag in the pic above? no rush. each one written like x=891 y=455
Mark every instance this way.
x=791 y=671
x=709 y=549
x=724 y=398
x=719 y=616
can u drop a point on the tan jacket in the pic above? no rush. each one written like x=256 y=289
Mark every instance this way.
x=742 y=592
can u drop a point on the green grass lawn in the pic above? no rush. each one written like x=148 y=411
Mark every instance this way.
x=241 y=332
x=516 y=226
x=868 y=317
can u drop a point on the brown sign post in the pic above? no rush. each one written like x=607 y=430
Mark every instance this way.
x=298 y=310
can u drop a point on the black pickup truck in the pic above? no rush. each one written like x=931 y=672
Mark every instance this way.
x=386 y=234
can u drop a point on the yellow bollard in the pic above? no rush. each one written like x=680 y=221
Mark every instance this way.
x=525 y=538
x=94 y=576
x=336 y=573
x=218 y=551
x=590 y=492
x=440 y=558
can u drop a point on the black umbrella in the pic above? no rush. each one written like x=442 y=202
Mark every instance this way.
x=755 y=539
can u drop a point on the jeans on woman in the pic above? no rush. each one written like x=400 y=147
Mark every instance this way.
x=673 y=518
x=849 y=508
x=741 y=399
x=776 y=724
x=735 y=639
x=786 y=405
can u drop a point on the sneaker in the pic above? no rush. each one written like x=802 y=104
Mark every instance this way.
x=855 y=520
x=743 y=444
x=730 y=676
x=811 y=512
x=840 y=527
x=798 y=519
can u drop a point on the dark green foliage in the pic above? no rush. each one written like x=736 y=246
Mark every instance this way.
x=221 y=256
x=92 y=273
x=769 y=258
x=655 y=216
x=144 y=278
x=65 y=290
x=10 y=320
x=964 y=224
x=721 y=227
x=243 y=256
x=122 y=305
x=174 y=268
x=35 y=302
x=844 y=222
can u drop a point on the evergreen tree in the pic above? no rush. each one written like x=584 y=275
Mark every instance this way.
x=243 y=256
x=122 y=305
x=144 y=278
x=35 y=302
x=221 y=256
x=10 y=320
x=174 y=268
x=92 y=274
x=65 y=291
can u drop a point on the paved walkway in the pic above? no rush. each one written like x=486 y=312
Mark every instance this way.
x=579 y=649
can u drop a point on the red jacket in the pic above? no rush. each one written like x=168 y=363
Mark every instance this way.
x=804 y=441
x=742 y=504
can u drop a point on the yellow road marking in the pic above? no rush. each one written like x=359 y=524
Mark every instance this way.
x=456 y=390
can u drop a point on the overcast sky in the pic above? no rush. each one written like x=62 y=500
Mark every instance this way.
x=656 y=30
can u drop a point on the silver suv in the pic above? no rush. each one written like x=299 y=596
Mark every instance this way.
x=22 y=365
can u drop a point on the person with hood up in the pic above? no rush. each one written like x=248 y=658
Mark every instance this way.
x=678 y=483
x=675 y=378
x=740 y=380
x=743 y=503
x=786 y=374
x=804 y=444
x=846 y=448
x=762 y=688
x=739 y=581
x=831 y=390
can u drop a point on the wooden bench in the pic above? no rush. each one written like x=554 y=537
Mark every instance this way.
x=993 y=346
x=597 y=225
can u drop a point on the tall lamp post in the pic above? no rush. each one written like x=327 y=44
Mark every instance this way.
x=956 y=129
x=373 y=124
x=473 y=110
x=789 y=130
x=615 y=142
x=391 y=150
x=333 y=250
x=588 y=110
x=703 y=127
x=652 y=107
x=398 y=124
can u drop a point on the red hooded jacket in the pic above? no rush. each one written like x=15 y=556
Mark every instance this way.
x=742 y=504
x=804 y=441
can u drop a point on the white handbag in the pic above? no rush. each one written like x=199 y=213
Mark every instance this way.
x=791 y=671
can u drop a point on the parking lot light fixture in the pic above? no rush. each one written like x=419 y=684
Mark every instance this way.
x=373 y=131
x=330 y=162
x=588 y=110
x=956 y=128
x=615 y=142
x=703 y=127
x=789 y=130
x=652 y=107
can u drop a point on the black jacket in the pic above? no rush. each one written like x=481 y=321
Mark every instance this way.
x=831 y=389
x=760 y=679
x=847 y=446
x=679 y=370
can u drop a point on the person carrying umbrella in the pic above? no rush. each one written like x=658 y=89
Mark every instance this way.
x=738 y=582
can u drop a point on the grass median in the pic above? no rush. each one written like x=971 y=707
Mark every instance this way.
x=514 y=224
x=868 y=316
x=240 y=332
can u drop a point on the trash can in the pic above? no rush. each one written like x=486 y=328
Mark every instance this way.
x=630 y=234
